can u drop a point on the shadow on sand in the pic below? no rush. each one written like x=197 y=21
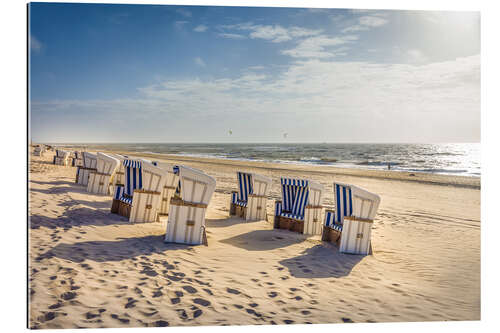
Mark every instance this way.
x=103 y=251
x=76 y=218
x=226 y=222
x=321 y=261
x=263 y=240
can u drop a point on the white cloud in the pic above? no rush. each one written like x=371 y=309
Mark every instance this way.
x=35 y=44
x=274 y=33
x=201 y=28
x=366 y=23
x=199 y=62
x=316 y=47
x=184 y=12
x=368 y=101
x=232 y=36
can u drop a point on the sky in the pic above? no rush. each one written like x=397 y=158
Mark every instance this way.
x=158 y=73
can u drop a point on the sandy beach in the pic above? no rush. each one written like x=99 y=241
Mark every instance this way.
x=91 y=268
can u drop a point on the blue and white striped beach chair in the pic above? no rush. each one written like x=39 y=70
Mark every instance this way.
x=78 y=159
x=122 y=197
x=186 y=215
x=250 y=201
x=349 y=224
x=301 y=206
x=38 y=150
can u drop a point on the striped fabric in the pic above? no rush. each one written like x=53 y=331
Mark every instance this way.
x=342 y=197
x=293 y=216
x=295 y=196
x=178 y=188
x=278 y=208
x=118 y=192
x=299 y=204
x=133 y=176
x=244 y=186
x=126 y=200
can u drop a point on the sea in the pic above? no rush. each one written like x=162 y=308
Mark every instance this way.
x=452 y=159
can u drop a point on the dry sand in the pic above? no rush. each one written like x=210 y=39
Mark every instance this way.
x=90 y=268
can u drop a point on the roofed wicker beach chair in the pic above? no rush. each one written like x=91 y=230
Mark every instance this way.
x=122 y=193
x=186 y=215
x=100 y=180
x=78 y=159
x=250 y=201
x=89 y=165
x=301 y=207
x=38 y=150
x=349 y=224
x=169 y=189
x=61 y=157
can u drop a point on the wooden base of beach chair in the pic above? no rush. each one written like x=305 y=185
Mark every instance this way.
x=186 y=223
x=115 y=206
x=256 y=208
x=144 y=206
x=98 y=183
x=232 y=209
x=77 y=162
x=124 y=209
x=331 y=235
x=286 y=223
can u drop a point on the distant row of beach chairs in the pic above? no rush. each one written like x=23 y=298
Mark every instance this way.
x=145 y=191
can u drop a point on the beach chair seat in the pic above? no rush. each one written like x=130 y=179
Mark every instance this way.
x=61 y=157
x=168 y=191
x=250 y=201
x=100 y=180
x=132 y=180
x=301 y=207
x=349 y=224
x=89 y=165
x=186 y=215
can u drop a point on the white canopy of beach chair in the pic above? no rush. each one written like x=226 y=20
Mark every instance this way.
x=171 y=184
x=100 y=180
x=89 y=165
x=186 y=217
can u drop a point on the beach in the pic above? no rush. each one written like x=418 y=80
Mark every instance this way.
x=91 y=268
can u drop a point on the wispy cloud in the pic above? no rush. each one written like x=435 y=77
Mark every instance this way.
x=320 y=47
x=379 y=101
x=366 y=23
x=184 y=12
x=273 y=33
x=200 y=28
x=35 y=44
x=232 y=36
x=198 y=61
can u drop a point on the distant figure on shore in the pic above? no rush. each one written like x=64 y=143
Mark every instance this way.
x=388 y=166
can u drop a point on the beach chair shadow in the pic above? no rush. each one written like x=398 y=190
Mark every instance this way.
x=59 y=187
x=104 y=251
x=321 y=261
x=264 y=240
x=75 y=218
x=226 y=222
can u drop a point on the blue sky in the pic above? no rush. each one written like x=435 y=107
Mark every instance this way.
x=156 y=73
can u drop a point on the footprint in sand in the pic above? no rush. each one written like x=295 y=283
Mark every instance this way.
x=123 y=320
x=190 y=289
x=201 y=301
x=157 y=293
x=131 y=303
x=161 y=323
x=272 y=294
x=238 y=306
x=233 y=291
x=347 y=320
x=68 y=295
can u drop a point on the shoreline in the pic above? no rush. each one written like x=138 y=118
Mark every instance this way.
x=405 y=176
